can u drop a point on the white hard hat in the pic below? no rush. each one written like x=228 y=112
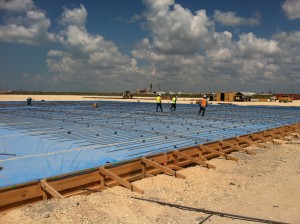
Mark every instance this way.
x=159 y=94
x=204 y=95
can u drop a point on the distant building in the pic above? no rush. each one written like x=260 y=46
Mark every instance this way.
x=171 y=93
x=294 y=96
x=233 y=96
x=227 y=97
x=243 y=96
x=2 y=91
x=160 y=92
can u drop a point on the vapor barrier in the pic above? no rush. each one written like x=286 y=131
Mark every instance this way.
x=53 y=138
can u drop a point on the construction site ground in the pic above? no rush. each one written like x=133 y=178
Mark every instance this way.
x=265 y=186
x=180 y=100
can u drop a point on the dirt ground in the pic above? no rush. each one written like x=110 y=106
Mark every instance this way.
x=265 y=186
x=180 y=100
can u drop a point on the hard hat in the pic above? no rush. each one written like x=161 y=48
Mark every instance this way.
x=204 y=95
x=159 y=94
x=176 y=96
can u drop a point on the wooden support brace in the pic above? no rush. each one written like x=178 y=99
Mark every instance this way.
x=162 y=168
x=253 y=136
x=144 y=170
x=239 y=139
x=174 y=167
x=236 y=147
x=102 y=181
x=49 y=189
x=287 y=134
x=276 y=142
x=200 y=155
x=287 y=138
x=273 y=135
x=295 y=135
x=207 y=165
x=278 y=135
x=120 y=180
x=218 y=153
x=90 y=189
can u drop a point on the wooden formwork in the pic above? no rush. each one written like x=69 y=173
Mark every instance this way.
x=125 y=173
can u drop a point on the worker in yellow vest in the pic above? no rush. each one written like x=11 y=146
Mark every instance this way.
x=174 y=100
x=158 y=103
x=202 y=105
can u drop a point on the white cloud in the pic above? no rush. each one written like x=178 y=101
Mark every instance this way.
x=178 y=30
x=291 y=9
x=251 y=45
x=215 y=56
x=30 y=24
x=56 y=53
x=292 y=37
x=86 y=56
x=16 y=5
x=76 y=17
x=231 y=19
x=290 y=60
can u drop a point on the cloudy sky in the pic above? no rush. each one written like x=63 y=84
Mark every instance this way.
x=178 y=45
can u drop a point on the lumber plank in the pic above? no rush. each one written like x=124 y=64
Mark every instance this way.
x=253 y=137
x=50 y=189
x=126 y=167
x=74 y=181
x=276 y=142
x=238 y=148
x=250 y=142
x=207 y=165
x=120 y=180
x=218 y=153
x=14 y=195
x=144 y=170
x=174 y=167
x=162 y=168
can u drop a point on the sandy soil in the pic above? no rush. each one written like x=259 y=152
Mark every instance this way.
x=180 y=100
x=265 y=186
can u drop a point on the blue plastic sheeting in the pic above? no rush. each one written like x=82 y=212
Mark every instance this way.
x=53 y=138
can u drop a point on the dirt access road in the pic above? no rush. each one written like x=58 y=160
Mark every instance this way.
x=180 y=100
x=265 y=186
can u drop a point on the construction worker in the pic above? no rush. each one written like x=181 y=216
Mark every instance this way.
x=29 y=99
x=158 y=103
x=95 y=105
x=202 y=105
x=174 y=100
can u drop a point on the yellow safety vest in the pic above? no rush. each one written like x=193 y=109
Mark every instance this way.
x=174 y=100
x=158 y=99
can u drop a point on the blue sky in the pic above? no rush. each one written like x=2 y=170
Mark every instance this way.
x=186 y=45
